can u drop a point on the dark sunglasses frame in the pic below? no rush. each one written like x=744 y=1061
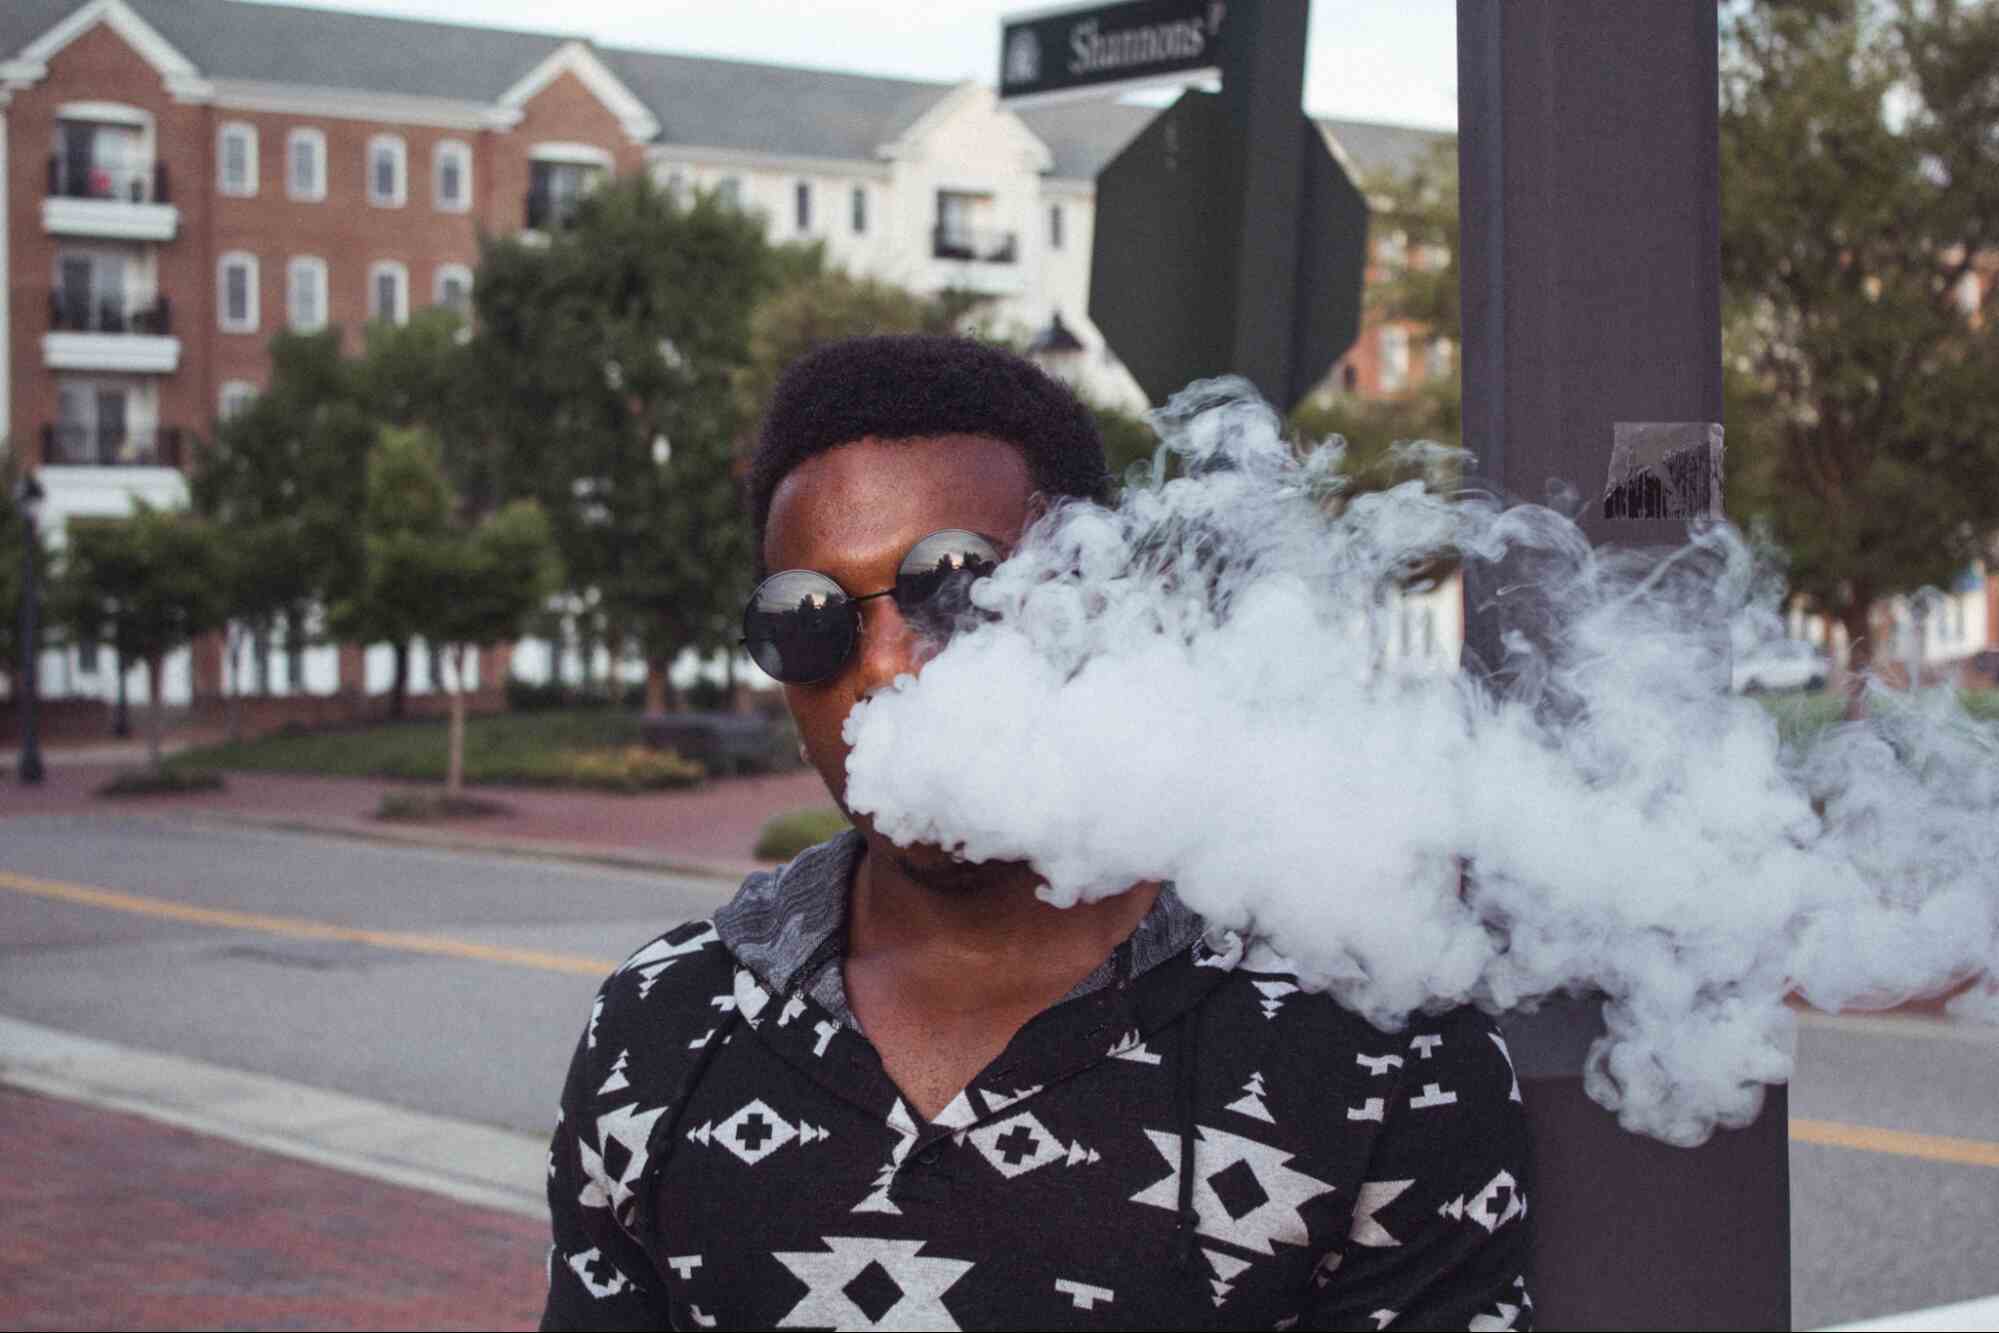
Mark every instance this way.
x=830 y=638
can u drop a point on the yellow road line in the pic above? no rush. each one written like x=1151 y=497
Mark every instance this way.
x=1828 y=1133
x=1896 y=1142
x=443 y=946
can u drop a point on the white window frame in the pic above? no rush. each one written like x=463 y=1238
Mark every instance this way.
x=1394 y=347
x=446 y=272
x=315 y=191
x=445 y=149
x=234 y=396
x=400 y=272
x=729 y=192
x=248 y=261
x=316 y=267
x=244 y=130
x=400 y=196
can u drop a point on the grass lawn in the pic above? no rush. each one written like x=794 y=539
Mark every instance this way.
x=528 y=748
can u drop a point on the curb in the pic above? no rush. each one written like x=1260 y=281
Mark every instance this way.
x=472 y=1163
x=535 y=849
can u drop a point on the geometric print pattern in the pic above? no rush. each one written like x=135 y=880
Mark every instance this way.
x=731 y=1154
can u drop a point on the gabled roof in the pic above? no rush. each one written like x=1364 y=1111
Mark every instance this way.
x=699 y=102
x=776 y=109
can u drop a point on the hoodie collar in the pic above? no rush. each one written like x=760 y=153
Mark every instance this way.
x=787 y=926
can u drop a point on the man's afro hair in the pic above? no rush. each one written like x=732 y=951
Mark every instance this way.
x=904 y=386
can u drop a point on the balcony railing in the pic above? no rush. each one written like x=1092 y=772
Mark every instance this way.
x=127 y=185
x=978 y=244
x=82 y=313
x=97 y=447
x=546 y=211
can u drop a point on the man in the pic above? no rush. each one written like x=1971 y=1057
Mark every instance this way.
x=888 y=1089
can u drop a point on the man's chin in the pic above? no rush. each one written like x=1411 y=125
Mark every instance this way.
x=940 y=871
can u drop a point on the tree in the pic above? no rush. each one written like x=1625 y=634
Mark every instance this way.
x=1860 y=193
x=609 y=359
x=460 y=586
x=283 y=481
x=147 y=585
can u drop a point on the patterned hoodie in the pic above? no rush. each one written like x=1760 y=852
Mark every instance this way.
x=1187 y=1140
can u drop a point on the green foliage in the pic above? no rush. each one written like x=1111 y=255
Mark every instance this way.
x=609 y=359
x=1858 y=189
x=786 y=835
x=146 y=585
x=161 y=782
x=1422 y=204
x=588 y=748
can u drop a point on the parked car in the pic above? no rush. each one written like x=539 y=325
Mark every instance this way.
x=1781 y=664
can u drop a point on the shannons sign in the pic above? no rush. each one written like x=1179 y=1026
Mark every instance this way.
x=1096 y=46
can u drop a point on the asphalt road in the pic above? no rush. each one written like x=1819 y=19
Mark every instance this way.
x=200 y=961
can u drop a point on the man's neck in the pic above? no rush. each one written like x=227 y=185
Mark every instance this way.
x=983 y=940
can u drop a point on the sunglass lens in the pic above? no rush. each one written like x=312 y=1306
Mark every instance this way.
x=799 y=626
x=933 y=587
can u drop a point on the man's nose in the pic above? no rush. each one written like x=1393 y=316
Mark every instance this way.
x=889 y=647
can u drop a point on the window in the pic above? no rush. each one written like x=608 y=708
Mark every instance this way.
x=389 y=291
x=1394 y=358
x=555 y=189
x=388 y=175
x=236 y=294
x=802 y=205
x=90 y=294
x=100 y=161
x=1437 y=359
x=94 y=424
x=729 y=191
x=236 y=396
x=452 y=164
x=236 y=159
x=305 y=294
x=452 y=288
x=305 y=165
x=1054 y=226
x=860 y=208
x=676 y=187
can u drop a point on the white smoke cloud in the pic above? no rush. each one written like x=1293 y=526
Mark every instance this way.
x=1193 y=687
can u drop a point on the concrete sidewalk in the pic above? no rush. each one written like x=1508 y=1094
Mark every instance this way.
x=706 y=831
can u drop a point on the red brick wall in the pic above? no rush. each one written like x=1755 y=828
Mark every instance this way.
x=563 y=112
x=99 y=67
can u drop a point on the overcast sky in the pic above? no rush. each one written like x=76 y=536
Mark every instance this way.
x=1384 y=60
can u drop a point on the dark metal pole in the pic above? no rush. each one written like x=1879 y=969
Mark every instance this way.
x=1589 y=152
x=31 y=595
x=1263 y=84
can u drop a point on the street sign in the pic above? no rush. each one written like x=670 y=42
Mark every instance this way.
x=1098 y=47
x=1164 y=265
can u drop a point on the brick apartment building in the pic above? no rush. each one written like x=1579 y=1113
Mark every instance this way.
x=185 y=178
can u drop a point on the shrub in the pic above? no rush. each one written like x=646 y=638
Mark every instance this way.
x=785 y=836
x=161 y=782
x=422 y=805
x=632 y=769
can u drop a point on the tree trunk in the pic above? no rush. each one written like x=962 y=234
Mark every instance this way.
x=399 y=688
x=121 y=713
x=454 y=685
x=156 y=711
x=1859 y=653
x=232 y=703
x=659 y=690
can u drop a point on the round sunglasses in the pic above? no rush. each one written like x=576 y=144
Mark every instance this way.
x=801 y=627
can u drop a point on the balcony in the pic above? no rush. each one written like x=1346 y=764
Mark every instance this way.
x=65 y=445
x=86 y=333
x=113 y=203
x=550 y=212
x=978 y=245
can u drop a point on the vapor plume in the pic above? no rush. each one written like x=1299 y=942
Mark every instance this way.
x=1196 y=687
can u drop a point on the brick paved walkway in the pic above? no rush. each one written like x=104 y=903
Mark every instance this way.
x=114 y=1221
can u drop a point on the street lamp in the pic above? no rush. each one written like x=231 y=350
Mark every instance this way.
x=28 y=497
